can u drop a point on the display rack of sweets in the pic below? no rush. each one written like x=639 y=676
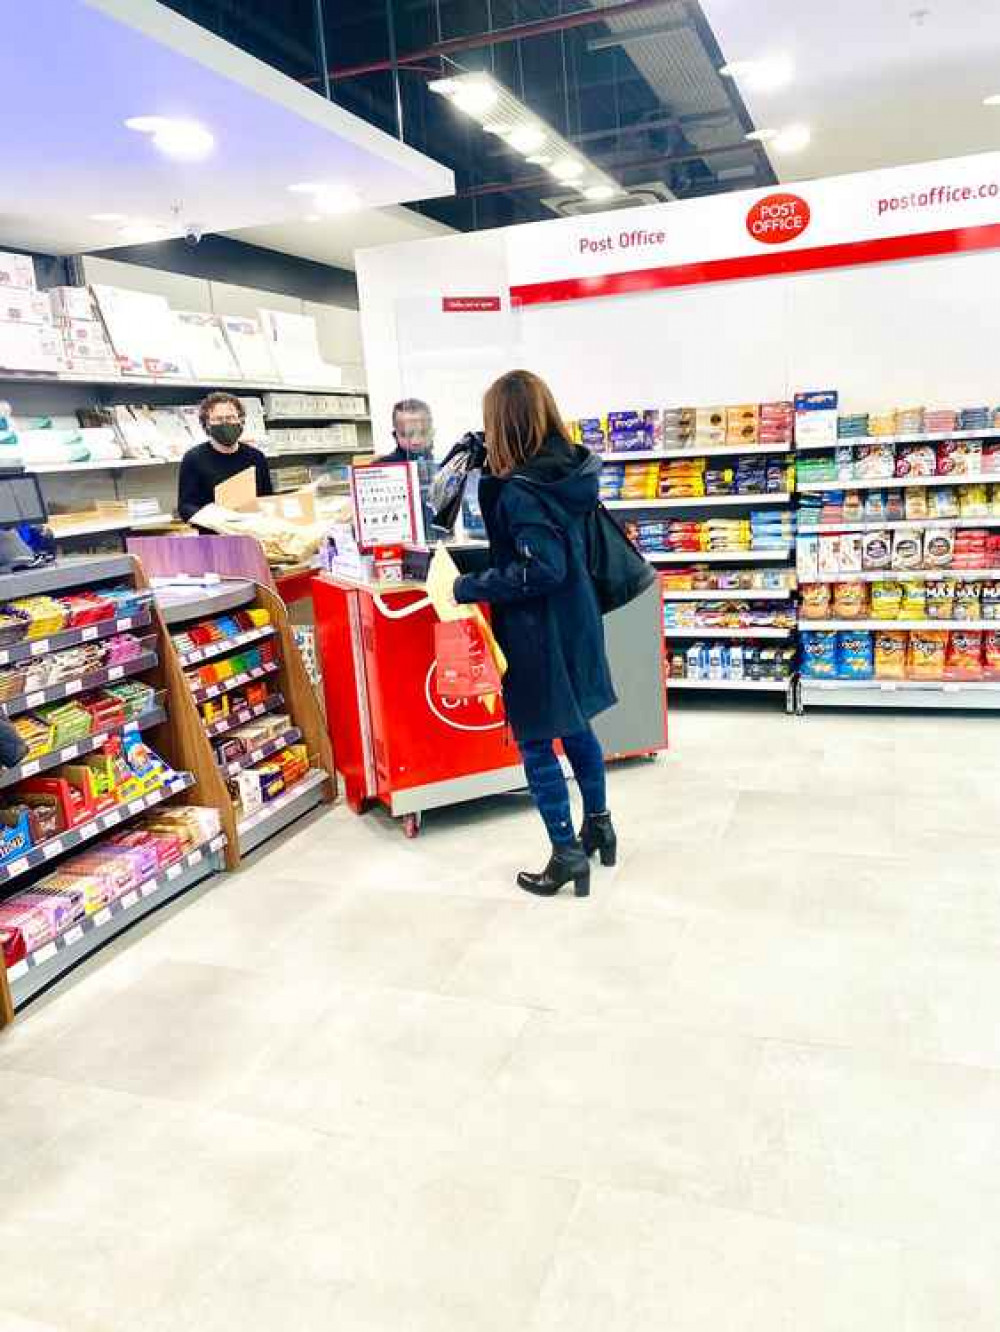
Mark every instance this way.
x=102 y=750
x=257 y=710
x=678 y=432
x=910 y=425
x=900 y=586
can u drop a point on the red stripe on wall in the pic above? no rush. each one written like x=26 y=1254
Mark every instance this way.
x=889 y=249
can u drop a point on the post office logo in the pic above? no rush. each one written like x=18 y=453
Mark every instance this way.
x=778 y=218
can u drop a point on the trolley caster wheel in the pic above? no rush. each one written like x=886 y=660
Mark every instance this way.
x=411 y=825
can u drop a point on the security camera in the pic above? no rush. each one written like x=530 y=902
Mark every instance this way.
x=193 y=233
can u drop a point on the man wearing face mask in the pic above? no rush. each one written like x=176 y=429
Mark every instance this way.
x=220 y=457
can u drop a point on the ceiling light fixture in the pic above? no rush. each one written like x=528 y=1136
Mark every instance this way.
x=475 y=97
x=499 y=112
x=792 y=139
x=992 y=100
x=526 y=139
x=601 y=192
x=185 y=140
x=762 y=135
x=763 y=75
x=108 y=217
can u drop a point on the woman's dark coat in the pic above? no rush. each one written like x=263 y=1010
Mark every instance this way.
x=545 y=613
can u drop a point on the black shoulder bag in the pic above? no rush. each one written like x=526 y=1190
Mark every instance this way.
x=619 y=571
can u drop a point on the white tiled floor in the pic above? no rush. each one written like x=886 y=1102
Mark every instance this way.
x=751 y=1085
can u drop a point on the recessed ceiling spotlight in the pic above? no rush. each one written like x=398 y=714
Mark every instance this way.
x=307 y=187
x=600 y=192
x=527 y=139
x=314 y=217
x=763 y=75
x=568 y=169
x=992 y=100
x=185 y=140
x=108 y=217
x=792 y=139
x=142 y=233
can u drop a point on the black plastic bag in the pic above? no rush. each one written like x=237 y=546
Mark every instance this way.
x=451 y=478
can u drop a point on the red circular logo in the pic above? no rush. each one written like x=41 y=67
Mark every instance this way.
x=778 y=218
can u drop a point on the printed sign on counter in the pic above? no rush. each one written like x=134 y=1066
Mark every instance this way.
x=387 y=510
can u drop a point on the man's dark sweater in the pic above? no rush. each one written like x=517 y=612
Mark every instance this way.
x=204 y=467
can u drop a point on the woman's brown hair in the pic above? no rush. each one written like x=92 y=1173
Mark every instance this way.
x=519 y=411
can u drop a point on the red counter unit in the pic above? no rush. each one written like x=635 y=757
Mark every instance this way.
x=395 y=739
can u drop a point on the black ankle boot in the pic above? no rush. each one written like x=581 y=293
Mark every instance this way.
x=567 y=862
x=598 y=834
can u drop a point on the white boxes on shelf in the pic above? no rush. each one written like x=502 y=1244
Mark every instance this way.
x=206 y=348
x=250 y=347
x=342 y=438
x=313 y=406
x=17 y=270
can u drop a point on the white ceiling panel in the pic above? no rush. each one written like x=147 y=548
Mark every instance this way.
x=879 y=82
x=76 y=70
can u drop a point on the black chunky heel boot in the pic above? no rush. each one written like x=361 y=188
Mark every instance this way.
x=566 y=863
x=598 y=834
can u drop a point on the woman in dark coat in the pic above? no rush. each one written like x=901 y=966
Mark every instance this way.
x=535 y=493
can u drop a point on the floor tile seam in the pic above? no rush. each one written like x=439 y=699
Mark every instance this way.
x=914 y=1062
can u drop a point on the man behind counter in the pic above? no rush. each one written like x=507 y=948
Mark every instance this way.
x=413 y=431
x=220 y=457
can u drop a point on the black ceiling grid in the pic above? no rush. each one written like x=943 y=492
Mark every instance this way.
x=634 y=83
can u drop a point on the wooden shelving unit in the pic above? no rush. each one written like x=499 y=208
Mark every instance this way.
x=172 y=728
x=287 y=680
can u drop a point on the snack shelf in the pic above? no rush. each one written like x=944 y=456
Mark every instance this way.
x=235 y=682
x=894 y=483
x=74 y=837
x=220 y=648
x=892 y=525
x=897 y=575
x=67 y=688
x=66 y=573
x=708 y=451
x=62 y=533
x=87 y=633
x=705 y=502
x=701 y=631
x=855 y=441
x=718 y=556
x=968 y=695
x=184 y=599
x=261 y=752
x=39 y=969
x=226 y=724
x=86 y=745
x=278 y=813
x=731 y=594
x=968 y=626
x=759 y=686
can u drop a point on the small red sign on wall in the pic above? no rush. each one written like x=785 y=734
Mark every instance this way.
x=469 y=304
x=778 y=218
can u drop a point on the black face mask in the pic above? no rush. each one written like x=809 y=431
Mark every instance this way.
x=226 y=433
